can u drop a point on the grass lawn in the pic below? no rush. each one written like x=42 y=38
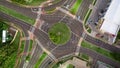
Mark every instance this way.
x=31 y=43
x=42 y=57
x=59 y=33
x=50 y=11
x=16 y=15
x=87 y=16
x=22 y=46
x=102 y=51
x=70 y=66
x=84 y=56
x=29 y=2
x=75 y=7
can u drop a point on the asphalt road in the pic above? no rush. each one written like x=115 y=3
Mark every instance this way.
x=76 y=32
x=22 y=10
x=70 y=47
x=102 y=44
x=54 y=5
x=100 y=57
x=45 y=64
x=23 y=26
x=25 y=48
x=43 y=38
x=69 y=3
x=83 y=9
x=35 y=57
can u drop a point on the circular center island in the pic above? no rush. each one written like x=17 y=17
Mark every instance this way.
x=59 y=33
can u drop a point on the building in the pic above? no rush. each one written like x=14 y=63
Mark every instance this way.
x=111 y=23
x=4 y=36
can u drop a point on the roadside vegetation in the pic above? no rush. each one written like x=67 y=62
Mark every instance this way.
x=118 y=38
x=70 y=66
x=29 y=2
x=57 y=65
x=30 y=48
x=76 y=6
x=114 y=56
x=17 y=15
x=59 y=33
x=4 y=26
x=8 y=53
x=41 y=59
x=31 y=45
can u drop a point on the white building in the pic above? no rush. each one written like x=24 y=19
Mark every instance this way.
x=4 y=36
x=111 y=23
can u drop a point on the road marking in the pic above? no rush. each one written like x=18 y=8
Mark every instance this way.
x=65 y=11
x=62 y=18
x=47 y=51
x=84 y=35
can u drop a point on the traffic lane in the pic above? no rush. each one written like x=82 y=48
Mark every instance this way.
x=69 y=3
x=76 y=27
x=99 y=57
x=53 y=6
x=102 y=44
x=13 y=20
x=45 y=64
x=35 y=57
x=25 y=51
x=24 y=26
x=22 y=10
x=40 y=35
x=45 y=27
x=66 y=49
x=44 y=39
x=84 y=7
x=52 y=18
x=16 y=21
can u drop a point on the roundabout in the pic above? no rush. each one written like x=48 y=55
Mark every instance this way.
x=59 y=33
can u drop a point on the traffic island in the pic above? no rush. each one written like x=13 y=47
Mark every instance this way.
x=59 y=33
x=28 y=2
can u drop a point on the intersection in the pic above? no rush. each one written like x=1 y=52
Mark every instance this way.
x=56 y=53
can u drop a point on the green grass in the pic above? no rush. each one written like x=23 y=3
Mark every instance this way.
x=94 y=2
x=29 y=2
x=22 y=46
x=28 y=57
x=84 y=56
x=75 y=7
x=31 y=44
x=50 y=11
x=102 y=51
x=17 y=15
x=89 y=30
x=89 y=12
x=59 y=33
x=70 y=66
x=87 y=15
x=8 y=53
x=42 y=57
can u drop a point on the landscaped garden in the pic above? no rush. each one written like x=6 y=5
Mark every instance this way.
x=59 y=33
